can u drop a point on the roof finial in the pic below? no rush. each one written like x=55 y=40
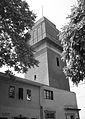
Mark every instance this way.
x=42 y=10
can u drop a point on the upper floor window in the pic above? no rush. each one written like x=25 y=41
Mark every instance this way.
x=48 y=94
x=20 y=93
x=57 y=60
x=49 y=115
x=33 y=118
x=28 y=94
x=12 y=91
x=70 y=116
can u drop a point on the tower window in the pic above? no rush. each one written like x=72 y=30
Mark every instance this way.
x=57 y=60
x=34 y=77
x=20 y=93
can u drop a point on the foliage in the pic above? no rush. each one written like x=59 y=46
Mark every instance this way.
x=16 y=21
x=72 y=38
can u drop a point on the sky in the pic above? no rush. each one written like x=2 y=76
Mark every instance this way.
x=55 y=10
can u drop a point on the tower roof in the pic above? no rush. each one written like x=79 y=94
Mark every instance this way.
x=45 y=20
x=42 y=29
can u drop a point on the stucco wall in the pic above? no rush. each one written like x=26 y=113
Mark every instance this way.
x=41 y=72
x=57 y=78
x=61 y=99
x=11 y=107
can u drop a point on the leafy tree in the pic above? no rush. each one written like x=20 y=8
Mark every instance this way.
x=16 y=21
x=72 y=38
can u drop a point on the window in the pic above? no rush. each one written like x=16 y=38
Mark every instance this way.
x=39 y=31
x=57 y=60
x=33 y=118
x=20 y=93
x=50 y=115
x=70 y=116
x=35 y=33
x=35 y=36
x=12 y=91
x=48 y=94
x=3 y=118
x=28 y=94
x=34 y=77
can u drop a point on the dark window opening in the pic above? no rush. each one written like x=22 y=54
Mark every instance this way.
x=72 y=117
x=12 y=91
x=57 y=60
x=33 y=118
x=34 y=77
x=21 y=93
x=48 y=94
x=49 y=115
x=20 y=118
x=3 y=118
x=28 y=94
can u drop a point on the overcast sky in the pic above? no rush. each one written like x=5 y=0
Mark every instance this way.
x=55 y=10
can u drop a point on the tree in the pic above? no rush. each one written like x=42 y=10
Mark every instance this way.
x=16 y=21
x=72 y=38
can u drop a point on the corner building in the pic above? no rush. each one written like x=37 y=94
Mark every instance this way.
x=25 y=99
x=44 y=93
x=44 y=40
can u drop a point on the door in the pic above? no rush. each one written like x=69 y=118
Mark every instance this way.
x=3 y=117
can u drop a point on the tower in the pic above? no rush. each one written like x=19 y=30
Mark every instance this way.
x=44 y=40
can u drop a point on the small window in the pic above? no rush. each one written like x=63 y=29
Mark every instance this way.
x=34 y=77
x=33 y=118
x=12 y=91
x=70 y=116
x=3 y=118
x=28 y=94
x=48 y=94
x=49 y=115
x=57 y=60
x=21 y=93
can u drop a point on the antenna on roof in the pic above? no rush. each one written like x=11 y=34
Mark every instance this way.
x=42 y=10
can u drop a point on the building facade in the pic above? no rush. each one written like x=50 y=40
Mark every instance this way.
x=18 y=99
x=23 y=99
x=58 y=104
x=45 y=92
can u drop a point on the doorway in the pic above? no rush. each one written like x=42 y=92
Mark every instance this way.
x=3 y=117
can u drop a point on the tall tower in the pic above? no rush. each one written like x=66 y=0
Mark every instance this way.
x=44 y=40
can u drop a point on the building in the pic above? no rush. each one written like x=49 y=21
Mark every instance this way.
x=48 y=49
x=19 y=98
x=25 y=99
x=58 y=104
x=45 y=92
